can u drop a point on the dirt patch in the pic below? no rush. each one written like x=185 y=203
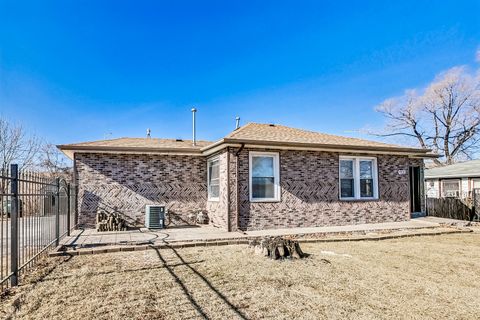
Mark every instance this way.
x=427 y=277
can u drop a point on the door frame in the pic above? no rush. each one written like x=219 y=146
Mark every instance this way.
x=415 y=189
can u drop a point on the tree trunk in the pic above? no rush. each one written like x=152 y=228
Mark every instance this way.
x=277 y=248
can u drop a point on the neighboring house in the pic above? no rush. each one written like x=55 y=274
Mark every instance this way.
x=259 y=176
x=456 y=180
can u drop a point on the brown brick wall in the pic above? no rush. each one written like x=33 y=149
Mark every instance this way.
x=310 y=193
x=309 y=189
x=233 y=189
x=129 y=182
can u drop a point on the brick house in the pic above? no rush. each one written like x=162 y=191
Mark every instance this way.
x=259 y=176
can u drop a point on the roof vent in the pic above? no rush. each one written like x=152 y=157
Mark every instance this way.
x=149 y=133
x=194 y=140
x=271 y=125
x=179 y=140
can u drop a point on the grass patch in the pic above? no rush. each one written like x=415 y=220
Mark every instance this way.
x=428 y=277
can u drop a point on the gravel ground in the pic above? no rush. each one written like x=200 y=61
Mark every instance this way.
x=429 y=277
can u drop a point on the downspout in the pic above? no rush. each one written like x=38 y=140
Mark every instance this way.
x=76 y=187
x=228 y=190
x=237 y=186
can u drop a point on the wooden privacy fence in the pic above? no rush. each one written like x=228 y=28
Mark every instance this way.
x=452 y=208
x=476 y=204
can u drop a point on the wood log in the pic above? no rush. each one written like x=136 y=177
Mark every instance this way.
x=107 y=221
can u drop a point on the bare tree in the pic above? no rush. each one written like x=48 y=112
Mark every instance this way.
x=445 y=117
x=16 y=146
x=53 y=162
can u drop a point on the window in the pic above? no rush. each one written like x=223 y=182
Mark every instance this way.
x=213 y=178
x=451 y=188
x=358 y=178
x=347 y=181
x=264 y=176
x=366 y=178
x=476 y=183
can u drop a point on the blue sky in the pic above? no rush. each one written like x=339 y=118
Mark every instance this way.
x=83 y=70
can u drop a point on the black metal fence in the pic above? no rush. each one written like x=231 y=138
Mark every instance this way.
x=35 y=213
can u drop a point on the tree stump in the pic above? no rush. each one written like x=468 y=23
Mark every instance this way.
x=277 y=248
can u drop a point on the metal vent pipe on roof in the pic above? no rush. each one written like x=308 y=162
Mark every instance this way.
x=194 y=142
x=149 y=133
x=237 y=123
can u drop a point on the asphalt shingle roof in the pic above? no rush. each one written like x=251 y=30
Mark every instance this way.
x=144 y=143
x=457 y=170
x=286 y=135
x=252 y=133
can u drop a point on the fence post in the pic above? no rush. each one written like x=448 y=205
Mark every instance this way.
x=68 y=209
x=57 y=216
x=475 y=209
x=14 y=224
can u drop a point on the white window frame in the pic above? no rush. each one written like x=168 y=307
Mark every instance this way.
x=276 y=175
x=209 y=161
x=356 y=178
x=459 y=184
x=474 y=180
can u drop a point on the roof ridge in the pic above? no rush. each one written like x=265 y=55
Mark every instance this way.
x=237 y=130
x=139 y=138
x=320 y=133
x=151 y=138
x=453 y=164
x=90 y=141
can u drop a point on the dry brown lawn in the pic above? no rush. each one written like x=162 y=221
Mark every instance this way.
x=432 y=277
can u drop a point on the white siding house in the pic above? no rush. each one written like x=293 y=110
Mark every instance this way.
x=456 y=180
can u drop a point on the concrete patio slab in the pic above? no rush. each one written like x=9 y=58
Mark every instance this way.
x=89 y=238
x=447 y=221
x=371 y=236
x=372 y=227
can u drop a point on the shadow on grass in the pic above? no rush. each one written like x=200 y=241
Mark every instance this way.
x=181 y=284
x=33 y=280
x=49 y=271
x=102 y=273
x=204 y=279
